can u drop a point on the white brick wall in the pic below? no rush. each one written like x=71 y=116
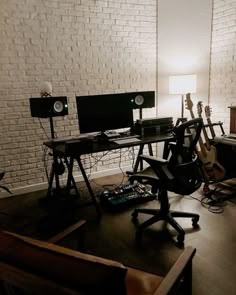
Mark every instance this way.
x=223 y=61
x=82 y=47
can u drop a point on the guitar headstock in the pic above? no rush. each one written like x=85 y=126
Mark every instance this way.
x=199 y=108
x=188 y=102
x=207 y=111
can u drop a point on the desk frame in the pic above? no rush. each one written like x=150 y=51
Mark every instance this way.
x=74 y=149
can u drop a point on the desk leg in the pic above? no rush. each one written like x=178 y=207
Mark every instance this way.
x=166 y=150
x=70 y=179
x=89 y=187
x=53 y=174
x=150 y=149
x=138 y=161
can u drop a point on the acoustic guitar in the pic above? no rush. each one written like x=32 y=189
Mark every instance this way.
x=211 y=170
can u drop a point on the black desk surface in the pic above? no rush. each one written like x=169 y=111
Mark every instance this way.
x=79 y=146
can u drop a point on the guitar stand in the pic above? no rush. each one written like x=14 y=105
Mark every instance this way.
x=217 y=124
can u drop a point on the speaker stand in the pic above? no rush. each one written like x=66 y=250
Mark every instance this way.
x=139 y=162
x=140 y=113
x=56 y=170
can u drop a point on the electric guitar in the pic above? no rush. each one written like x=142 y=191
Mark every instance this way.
x=207 y=140
x=206 y=156
x=218 y=170
x=203 y=151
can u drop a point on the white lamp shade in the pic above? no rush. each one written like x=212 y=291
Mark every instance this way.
x=45 y=88
x=182 y=84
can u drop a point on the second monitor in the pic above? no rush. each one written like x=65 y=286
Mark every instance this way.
x=100 y=113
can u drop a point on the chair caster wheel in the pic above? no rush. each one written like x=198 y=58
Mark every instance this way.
x=134 y=215
x=195 y=222
x=180 y=241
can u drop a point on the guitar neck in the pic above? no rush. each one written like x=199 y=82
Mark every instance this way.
x=208 y=145
x=201 y=144
x=211 y=128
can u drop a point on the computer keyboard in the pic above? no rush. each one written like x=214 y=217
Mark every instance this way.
x=126 y=140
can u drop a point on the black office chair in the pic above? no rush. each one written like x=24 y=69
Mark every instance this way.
x=180 y=174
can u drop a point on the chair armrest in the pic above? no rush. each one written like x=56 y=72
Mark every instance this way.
x=159 y=166
x=181 y=270
x=58 y=237
x=152 y=159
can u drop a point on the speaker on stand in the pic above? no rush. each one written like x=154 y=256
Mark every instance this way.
x=141 y=100
x=48 y=106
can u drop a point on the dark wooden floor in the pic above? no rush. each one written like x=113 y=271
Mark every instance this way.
x=214 y=266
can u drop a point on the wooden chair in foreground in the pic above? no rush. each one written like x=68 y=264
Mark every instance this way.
x=29 y=266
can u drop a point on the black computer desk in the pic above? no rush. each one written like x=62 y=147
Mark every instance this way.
x=73 y=149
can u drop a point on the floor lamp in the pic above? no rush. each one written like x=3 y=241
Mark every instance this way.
x=181 y=85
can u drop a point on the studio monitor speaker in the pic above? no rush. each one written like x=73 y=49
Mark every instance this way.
x=144 y=99
x=45 y=107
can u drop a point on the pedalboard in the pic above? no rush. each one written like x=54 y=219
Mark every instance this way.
x=125 y=196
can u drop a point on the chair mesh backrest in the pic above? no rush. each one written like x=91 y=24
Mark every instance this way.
x=183 y=162
x=187 y=177
x=184 y=149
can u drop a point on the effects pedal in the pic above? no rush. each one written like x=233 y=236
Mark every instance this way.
x=125 y=196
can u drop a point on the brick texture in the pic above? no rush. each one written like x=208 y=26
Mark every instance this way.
x=223 y=61
x=82 y=47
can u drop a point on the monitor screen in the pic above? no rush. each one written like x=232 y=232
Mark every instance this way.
x=99 y=113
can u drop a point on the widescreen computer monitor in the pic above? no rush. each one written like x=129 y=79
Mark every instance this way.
x=100 y=113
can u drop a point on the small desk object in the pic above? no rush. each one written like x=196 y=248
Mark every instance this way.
x=74 y=148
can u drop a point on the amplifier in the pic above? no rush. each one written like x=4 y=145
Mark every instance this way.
x=155 y=121
x=153 y=126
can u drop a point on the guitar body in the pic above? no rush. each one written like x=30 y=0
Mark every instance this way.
x=214 y=169
x=207 y=153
